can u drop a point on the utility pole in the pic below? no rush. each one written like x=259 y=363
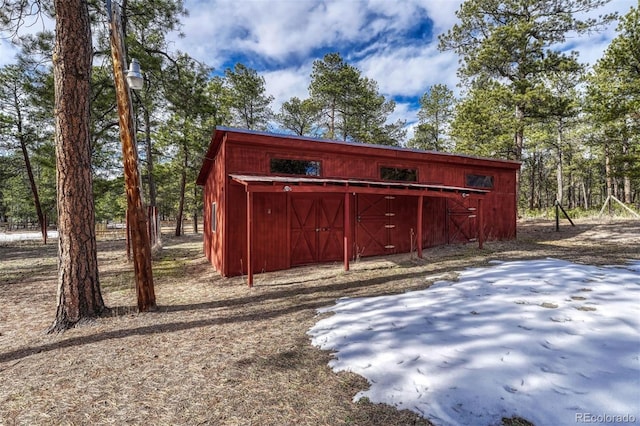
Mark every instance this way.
x=137 y=219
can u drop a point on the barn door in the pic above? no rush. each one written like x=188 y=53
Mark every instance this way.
x=330 y=228
x=317 y=226
x=375 y=224
x=461 y=222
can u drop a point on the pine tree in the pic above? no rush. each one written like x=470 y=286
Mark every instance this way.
x=514 y=43
x=352 y=107
x=434 y=118
x=250 y=106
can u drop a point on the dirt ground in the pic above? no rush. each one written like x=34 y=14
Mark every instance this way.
x=217 y=352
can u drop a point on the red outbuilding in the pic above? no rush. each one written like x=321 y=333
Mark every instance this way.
x=274 y=201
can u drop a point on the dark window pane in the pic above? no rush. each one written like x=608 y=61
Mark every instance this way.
x=295 y=167
x=479 y=181
x=395 y=173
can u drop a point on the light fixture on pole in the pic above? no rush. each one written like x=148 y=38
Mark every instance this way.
x=134 y=76
x=136 y=216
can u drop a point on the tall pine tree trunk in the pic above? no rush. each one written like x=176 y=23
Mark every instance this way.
x=626 y=179
x=195 y=209
x=32 y=180
x=34 y=190
x=519 y=147
x=180 y=215
x=332 y=120
x=183 y=186
x=79 y=295
x=149 y=151
x=608 y=177
x=151 y=180
x=532 y=179
x=585 y=198
x=559 y=180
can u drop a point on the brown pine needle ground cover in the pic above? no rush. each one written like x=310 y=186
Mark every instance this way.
x=216 y=352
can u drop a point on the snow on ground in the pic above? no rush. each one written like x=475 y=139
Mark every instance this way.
x=548 y=340
x=23 y=236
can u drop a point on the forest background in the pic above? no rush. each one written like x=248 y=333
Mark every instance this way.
x=574 y=126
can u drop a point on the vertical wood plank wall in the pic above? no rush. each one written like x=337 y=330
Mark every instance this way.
x=239 y=152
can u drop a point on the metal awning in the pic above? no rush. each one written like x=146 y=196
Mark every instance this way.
x=261 y=183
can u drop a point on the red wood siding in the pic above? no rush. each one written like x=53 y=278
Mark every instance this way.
x=270 y=247
x=292 y=228
x=236 y=231
x=372 y=215
x=214 y=192
x=317 y=226
x=461 y=226
x=434 y=222
x=404 y=238
x=270 y=251
x=389 y=224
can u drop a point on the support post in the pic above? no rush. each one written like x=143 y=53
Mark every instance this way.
x=559 y=206
x=347 y=229
x=249 y=238
x=136 y=217
x=288 y=228
x=606 y=203
x=44 y=228
x=624 y=207
x=419 y=227
x=480 y=224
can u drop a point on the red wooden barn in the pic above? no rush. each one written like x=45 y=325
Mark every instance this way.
x=275 y=201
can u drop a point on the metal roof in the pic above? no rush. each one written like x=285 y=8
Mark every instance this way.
x=359 y=144
x=290 y=183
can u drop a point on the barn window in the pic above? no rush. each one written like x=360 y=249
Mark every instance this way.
x=295 y=167
x=479 y=181
x=398 y=173
x=214 y=222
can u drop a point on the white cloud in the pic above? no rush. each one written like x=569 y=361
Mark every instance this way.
x=409 y=113
x=591 y=47
x=286 y=83
x=281 y=38
x=290 y=33
x=442 y=13
x=7 y=53
x=280 y=30
x=275 y=30
x=402 y=111
x=410 y=70
x=30 y=25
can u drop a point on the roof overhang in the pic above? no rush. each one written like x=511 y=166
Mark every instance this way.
x=293 y=184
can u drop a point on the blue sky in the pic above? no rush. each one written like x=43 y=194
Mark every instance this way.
x=391 y=41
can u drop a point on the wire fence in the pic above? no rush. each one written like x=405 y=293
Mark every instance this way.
x=105 y=231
